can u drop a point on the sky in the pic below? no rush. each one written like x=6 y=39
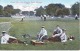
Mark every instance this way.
x=30 y=5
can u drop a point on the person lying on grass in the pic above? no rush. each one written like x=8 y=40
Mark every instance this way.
x=42 y=34
x=5 y=37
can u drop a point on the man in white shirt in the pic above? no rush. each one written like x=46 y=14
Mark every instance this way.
x=76 y=17
x=63 y=36
x=43 y=34
x=58 y=31
x=5 y=37
x=44 y=17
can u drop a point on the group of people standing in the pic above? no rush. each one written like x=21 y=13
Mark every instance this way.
x=43 y=17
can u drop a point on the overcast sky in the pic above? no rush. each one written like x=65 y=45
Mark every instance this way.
x=30 y=5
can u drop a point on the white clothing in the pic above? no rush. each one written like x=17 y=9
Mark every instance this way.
x=43 y=32
x=59 y=29
x=63 y=37
x=76 y=15
x=5 y=38
x=44 y=15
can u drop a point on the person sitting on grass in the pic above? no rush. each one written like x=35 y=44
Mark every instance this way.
x=57 y=31
x=56 y=34
x=5 y=37
x=42 y=35
x=62 y=36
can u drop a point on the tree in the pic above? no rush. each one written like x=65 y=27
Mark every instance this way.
x=40 y=11
x=59 y=12
x=66 y=11
x=51 y=8
x=31 y=13
x=75 y=8
x=15 y=11
x=6 y=14
x=25 y=12
x=1 y=10
x=8 y=9
x=62 y=12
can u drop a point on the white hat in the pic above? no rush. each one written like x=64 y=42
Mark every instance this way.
x=3 y=31
x=43 y=26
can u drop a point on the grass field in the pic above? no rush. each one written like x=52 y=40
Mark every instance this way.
x=33 y=27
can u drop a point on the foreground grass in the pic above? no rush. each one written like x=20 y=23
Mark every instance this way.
x=48 y=46
x=33 y=27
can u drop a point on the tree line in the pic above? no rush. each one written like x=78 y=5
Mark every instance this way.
x=58 y=10
x=51 y=10
x=8 y=10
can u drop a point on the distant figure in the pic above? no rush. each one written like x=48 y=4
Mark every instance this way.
x=42 y=35
x=22 y=19
x=41 y=17
x=76 y=17
x=44 y=17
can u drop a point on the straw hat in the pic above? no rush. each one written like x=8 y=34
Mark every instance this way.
x=43 y=26
x=3 y=31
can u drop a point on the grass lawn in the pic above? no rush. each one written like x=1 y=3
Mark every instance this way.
x=33 y=27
